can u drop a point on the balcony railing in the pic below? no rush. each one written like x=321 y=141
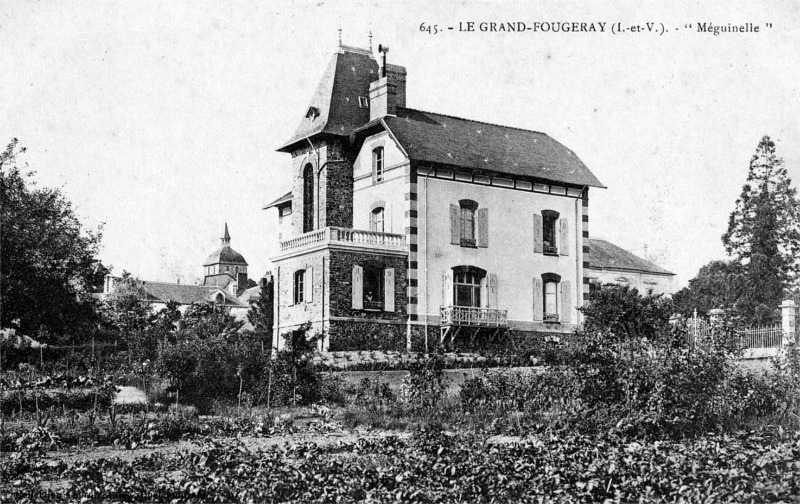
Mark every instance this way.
x=469 y=316
x=344 y=236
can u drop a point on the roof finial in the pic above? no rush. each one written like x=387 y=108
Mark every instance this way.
x=370 y=41
x=340 y=37
x=226 y=238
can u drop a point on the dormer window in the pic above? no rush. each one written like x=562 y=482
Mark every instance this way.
x=363 y=102
x=313 y=113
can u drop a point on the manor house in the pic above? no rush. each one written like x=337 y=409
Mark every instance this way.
x=406 y=227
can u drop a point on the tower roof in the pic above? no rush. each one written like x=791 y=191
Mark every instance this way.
x=225 y=254
x=335 y=107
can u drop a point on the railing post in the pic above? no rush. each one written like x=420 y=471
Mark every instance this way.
x=788 y=315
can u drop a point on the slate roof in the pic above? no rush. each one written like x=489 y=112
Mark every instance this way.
x=347 y=77
x=226 y=255
x=278 y=202
x=250 y=295
x=438 y=138
x=605 y=255
x=431 y=137
x=184 y=294
x=221 y=280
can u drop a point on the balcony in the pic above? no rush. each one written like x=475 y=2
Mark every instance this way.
x=345 y=238
x=466 y=316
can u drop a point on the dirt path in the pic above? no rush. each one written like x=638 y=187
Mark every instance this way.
x=130 y=395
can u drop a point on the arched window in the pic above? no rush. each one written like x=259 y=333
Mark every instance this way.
x=549 y=220
x=550 y=283
x=220 y=299
x=377 y=164
x=467 y=286
x=376 y=220
x=308 y=198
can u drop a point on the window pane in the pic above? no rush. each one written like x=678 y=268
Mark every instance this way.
x=550 y=298
x=373 y=288
x=467 y=223
x=463 y=295
x=376 y=220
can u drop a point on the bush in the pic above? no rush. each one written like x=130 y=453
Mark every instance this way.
x=294 y=380
x=423 y=386
x=202 y=370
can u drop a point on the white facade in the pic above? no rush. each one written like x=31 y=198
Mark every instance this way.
x=510 y=252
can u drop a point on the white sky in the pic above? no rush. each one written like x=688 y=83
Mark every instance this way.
x=161 y=119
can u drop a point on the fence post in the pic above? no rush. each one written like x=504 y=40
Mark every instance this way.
x=788 y=315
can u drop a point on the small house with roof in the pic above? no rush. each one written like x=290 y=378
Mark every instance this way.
x=407 y=228
x=225 y=280
x=609 y=263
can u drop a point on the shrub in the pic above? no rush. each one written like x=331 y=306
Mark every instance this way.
x=423 y=386
x=204 y=369
x=294 y=380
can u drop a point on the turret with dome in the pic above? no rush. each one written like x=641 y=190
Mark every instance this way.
x=225 y=266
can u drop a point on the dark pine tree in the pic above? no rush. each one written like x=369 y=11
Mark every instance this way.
x=764 y=235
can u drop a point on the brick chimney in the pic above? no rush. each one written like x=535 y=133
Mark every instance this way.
x=389 y=91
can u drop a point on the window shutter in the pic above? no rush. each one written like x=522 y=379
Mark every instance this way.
x=358 y=287
x=538 y=238
x=483 y=227
x=492 y=290
x=485 y=292
x=455 y=225
x=447 y=288
x=308 y=288
x=563 y=236
x=388 y=289
x=566 y=302
x=538 y=300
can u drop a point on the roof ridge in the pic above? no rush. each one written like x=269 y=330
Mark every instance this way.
x=356 y=50
x=477 y=121
x=151 y=282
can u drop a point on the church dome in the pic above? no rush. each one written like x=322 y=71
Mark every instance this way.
x=225 y=254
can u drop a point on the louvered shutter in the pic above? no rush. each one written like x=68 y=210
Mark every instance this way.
x=447 y=288
x=563 y=236
x=492 y=290
x=358 y=287
x=455 y=225
x=566 y=302
x=388 y=289
x=538 y=238
x=485 y=292
x=538 y=300
x=483 y=227
x=308 y=288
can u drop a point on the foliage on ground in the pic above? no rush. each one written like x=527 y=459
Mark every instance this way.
x=433 y=466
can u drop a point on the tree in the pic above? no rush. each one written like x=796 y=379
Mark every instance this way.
x=207 y=320
x=261 y=311
x=127 y=308
x=718 y=284
x=621 y=313
x=764 y=234
x=46 y=256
